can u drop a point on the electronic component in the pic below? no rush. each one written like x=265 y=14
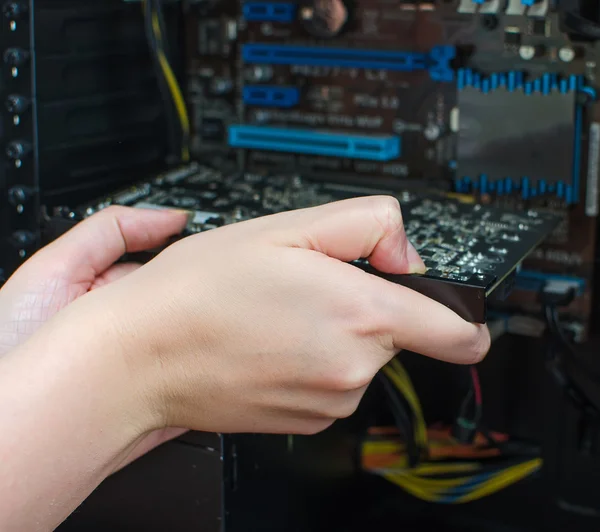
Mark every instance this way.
x=512 y=36
x=437 y=62
x=470 y=249
x=324 y=18
x=519 y=136
x=269 y=11
x=270 y=96
x=335 y=144
x=539 y=27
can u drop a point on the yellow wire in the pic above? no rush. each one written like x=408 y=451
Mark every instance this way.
x=508 y=477
x=405 y=387
x=428 y=489
x=442 y=469
x=399 y=368
x=174 y=88
x=433 y=489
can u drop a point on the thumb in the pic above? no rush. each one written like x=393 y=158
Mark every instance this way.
x=368 y=227
x=93 y=245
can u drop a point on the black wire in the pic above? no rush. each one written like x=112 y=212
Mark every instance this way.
x=558 y=331
x=173 y=128
x=573 y=22
x=404 y=421
x=558 y=344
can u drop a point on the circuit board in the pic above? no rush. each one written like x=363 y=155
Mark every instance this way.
x=470 y=250
x=494 y=99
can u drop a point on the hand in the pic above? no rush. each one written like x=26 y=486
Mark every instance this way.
x=256 y=327
x=80 y=261
x=262 y=326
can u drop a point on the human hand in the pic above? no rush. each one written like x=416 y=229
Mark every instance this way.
x=80 y=261
x=262 y=326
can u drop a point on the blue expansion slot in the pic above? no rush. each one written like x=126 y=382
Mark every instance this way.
x=351 y=146
x=269 y=12
x=271 y=96
x=547 y=84
x=528 y=3
x=437 y=62
x=535 y=281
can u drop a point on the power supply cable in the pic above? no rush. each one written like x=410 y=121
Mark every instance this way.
x=176 y=110
x=402 y=418
x=574 y=22
x=448 y=471
x=559 y=346
x=159 y=29
x=469 y=416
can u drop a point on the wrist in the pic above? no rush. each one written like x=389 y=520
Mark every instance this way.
x=113 y=356
x=69 y=384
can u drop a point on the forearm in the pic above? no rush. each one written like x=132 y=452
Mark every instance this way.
x=68 y=417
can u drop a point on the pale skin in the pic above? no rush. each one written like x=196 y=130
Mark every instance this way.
x=256 y=327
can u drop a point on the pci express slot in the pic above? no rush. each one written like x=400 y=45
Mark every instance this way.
x=283 y=12
x=437 y=62
x=368 y=147
x=268 y=96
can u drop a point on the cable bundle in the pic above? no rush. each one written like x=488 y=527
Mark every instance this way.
x=430 y=463
x=177 y=115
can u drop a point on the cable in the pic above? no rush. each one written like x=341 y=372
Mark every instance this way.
x=178 y=100
x=176 y=110
x=395 y=370
x=556 y=346
x=447 y=481
x=401 y=418
x=574 y=22
x=172 y=127
x=476 y=386
x=470 y=412
x=449 y=471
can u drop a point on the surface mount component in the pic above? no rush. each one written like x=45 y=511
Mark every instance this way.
x=470 y=250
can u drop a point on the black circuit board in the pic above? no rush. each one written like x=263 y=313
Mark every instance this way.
x=469 y=249
x=517 y=125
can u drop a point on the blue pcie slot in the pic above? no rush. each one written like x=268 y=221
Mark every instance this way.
x=547 y=84
x=269 y=12
x=351 y=146
x=535 y=281
x=528 y=3
x=437 y=62
x=271 y=96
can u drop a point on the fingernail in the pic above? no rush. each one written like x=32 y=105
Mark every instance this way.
x=190 y=214
x=415 y=262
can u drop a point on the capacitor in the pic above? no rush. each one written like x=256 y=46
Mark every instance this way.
x=324 y=18
x=566 y=54
x=432 y=132
x=527 y=52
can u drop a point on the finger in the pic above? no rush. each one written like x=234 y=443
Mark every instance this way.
x=414 y=322
x=96 y=243
x=369 y=227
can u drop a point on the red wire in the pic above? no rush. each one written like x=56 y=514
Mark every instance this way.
x=476 y=386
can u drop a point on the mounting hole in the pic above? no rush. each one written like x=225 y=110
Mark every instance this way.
x=489 y=22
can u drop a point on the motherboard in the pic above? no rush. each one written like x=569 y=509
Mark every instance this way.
x=472 y=251
x=490 y=99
